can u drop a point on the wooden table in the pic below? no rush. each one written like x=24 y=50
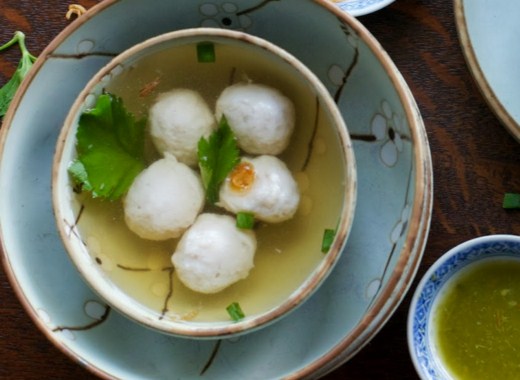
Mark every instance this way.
x=475 y=162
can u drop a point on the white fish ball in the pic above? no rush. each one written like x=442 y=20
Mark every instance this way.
x=261 y=117
x=272 y=195
x=214 y=254
x=178 y=119
x=164 y=200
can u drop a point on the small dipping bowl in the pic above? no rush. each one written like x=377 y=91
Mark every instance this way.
x=320 y=156
x=463 y=276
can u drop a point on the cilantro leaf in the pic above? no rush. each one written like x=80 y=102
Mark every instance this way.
x=8 y=90
x=110 y=147
x=217 y=155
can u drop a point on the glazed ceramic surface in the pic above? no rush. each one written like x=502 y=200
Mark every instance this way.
x=488 y=32
x=362 y=7
x=97 y=272
x=383 y=252
x=422 y=349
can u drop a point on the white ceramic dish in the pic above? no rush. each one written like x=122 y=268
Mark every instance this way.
x=488 y=32
x=69 y=209
x=388 y=236
x=423 y=350
x=361 y=7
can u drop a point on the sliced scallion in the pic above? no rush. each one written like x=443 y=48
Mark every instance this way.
x=328 y=239
x=235 y=311
x=206 y=52
x=245 y=220
x=511 y=200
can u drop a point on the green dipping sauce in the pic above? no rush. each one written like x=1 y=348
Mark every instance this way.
x=477 y=322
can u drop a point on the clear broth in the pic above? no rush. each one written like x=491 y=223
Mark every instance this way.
x=287 y=252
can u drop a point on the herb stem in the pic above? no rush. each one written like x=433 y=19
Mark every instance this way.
x=23 y=48
x=19 y=38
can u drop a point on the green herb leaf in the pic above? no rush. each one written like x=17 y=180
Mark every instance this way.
x=235 y=311
x=205 y=52
x=217 y=155
x=8 y=90
x=328 y=239
x=511 y=200
x=110 y=147
x=245 y=220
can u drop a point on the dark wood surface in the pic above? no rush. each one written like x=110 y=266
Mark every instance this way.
x=475 y=162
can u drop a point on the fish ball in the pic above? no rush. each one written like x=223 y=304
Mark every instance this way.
x=269 y=190
x=164 y=200
x=213 y=253
x=178 y=119
x=261 y=117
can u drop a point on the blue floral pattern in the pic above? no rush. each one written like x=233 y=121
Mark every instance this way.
x=361 y=7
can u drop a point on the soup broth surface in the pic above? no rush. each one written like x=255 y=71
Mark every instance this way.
x=477 y=322
x=287 y=252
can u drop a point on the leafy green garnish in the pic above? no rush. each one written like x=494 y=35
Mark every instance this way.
x=205 y=52
x=217 y=155
x=328 y=239
x=245 y=220
x=511 y=200
x=235 y=311
x=9 y=89
x=110 y=148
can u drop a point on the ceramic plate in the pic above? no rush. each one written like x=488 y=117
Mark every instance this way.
x=390 y=225
x=488 y=32
x=361 y=7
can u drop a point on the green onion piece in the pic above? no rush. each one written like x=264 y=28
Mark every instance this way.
x=205 y=52
x=245 y=220
x=511 y=200
x=235 y=311
x=328 y=239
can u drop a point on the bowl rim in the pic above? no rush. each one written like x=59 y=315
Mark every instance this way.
x=118 y=298
x=445 y=257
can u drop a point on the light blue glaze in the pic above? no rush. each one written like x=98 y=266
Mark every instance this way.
x=390 y=227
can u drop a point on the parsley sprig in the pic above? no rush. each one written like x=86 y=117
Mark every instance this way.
x=8 y=90
x=217 y=155
x=110 y=148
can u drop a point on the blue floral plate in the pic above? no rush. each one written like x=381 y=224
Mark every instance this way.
x=362 y=7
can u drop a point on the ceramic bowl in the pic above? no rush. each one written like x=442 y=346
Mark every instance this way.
x=485 y=27
x=109 y=266
x=384 y=249
x=361 y=7
x=424 y=348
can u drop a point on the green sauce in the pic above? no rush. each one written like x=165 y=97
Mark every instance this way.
x=477 y=322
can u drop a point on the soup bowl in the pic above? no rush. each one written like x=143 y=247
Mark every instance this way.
x=460 y=315
x=125 y=260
